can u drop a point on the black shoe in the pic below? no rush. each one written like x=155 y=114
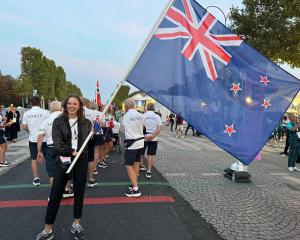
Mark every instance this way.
x=44 y=236
x=77 y=231
x=68 y=193
x=132 y=193
x=148 y=174
x=95 y=172
x=36 y=182
x=92 y=183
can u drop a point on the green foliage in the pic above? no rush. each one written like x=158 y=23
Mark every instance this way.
x=121 y=95
x=272 y=27
x=40 y=73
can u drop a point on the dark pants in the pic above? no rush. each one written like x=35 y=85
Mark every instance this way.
x=188 y=127
x=293 y=155
x=287 y=144
x=59 y=182
x=172 y=124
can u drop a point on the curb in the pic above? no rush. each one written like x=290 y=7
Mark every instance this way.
x=13 y=164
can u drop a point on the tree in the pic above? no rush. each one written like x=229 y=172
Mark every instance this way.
x=40 y=73
x=272 y=27
x=122 y=95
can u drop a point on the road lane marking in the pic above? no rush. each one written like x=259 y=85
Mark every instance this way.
x=88 y=201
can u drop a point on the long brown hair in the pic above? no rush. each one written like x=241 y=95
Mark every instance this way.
x=80 y=113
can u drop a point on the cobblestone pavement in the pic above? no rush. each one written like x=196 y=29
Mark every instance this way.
x=266 y=208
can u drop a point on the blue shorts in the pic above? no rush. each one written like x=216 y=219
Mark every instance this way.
x=50 y=161
x=34 y=151
x=132 y=156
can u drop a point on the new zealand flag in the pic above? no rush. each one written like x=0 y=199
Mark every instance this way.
x=224 y=88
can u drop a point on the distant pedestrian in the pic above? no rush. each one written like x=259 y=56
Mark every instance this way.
x=32 y=121
x=13 y=124
x=153 y=126
x=172 y=120
x=294 y=136
x=187 y=129
x=133 y=123
x=179 y=128
x=69 y=132
x=3 y=145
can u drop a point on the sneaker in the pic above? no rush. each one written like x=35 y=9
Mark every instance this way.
x=132 y=193
x=296 y=169
x=95 y=172
x=102 y=165
x=92 y=183
x=142 y=168
x=4 y=164
x=130 y=187
x=291 y=169
x=148 y=174
x=177 y=136
x=36 y=182
x=68 y=193
x=44 y=236
x=77 y=231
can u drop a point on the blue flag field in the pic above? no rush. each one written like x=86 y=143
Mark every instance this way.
x=219 y=84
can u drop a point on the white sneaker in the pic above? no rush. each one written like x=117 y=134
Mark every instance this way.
x=291 y=169
x=296 y=169
x=177 y=136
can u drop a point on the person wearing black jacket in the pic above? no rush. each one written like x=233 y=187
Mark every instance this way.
x=13 y=124
x=69 y=132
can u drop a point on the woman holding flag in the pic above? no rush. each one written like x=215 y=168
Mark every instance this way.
x=68 y=133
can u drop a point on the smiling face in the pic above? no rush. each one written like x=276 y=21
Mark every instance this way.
x=73 y=106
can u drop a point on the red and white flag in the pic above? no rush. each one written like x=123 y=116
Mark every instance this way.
x=98 y=98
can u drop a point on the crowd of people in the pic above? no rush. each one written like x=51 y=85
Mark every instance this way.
x=9 y=128
x=56 y=136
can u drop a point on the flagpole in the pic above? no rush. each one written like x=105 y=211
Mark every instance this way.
x=145 y=43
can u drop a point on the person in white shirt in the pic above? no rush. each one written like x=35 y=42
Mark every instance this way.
x=115 y=131
x=31 y=123
x=45 y=134
x=133 y=123
x=93 y=144
x=153 y=127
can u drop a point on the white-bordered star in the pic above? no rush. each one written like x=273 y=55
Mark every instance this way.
x=264 y=80
x=266 y=103
x=229 y=129
x=235 y=88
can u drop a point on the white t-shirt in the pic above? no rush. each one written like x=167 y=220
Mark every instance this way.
x=46 y=127
x=90 y=114
x=133 y=122
x=152 y=121
x=116 y=127
x=34 y=118
x=74 y=130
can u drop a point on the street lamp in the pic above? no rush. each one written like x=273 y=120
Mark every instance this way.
x=225 y=16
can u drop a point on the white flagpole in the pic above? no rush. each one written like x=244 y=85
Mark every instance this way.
x=145 y=43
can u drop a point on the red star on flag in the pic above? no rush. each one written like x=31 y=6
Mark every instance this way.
x=266 y=103
x=235 y=88
x=229 y=130
x=264 y=80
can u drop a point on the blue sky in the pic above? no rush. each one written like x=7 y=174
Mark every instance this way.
x=90 y=39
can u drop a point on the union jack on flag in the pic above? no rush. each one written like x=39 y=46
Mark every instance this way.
x=206 y=74
x=199 y=37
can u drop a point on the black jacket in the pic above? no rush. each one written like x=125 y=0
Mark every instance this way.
x=62 y=136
